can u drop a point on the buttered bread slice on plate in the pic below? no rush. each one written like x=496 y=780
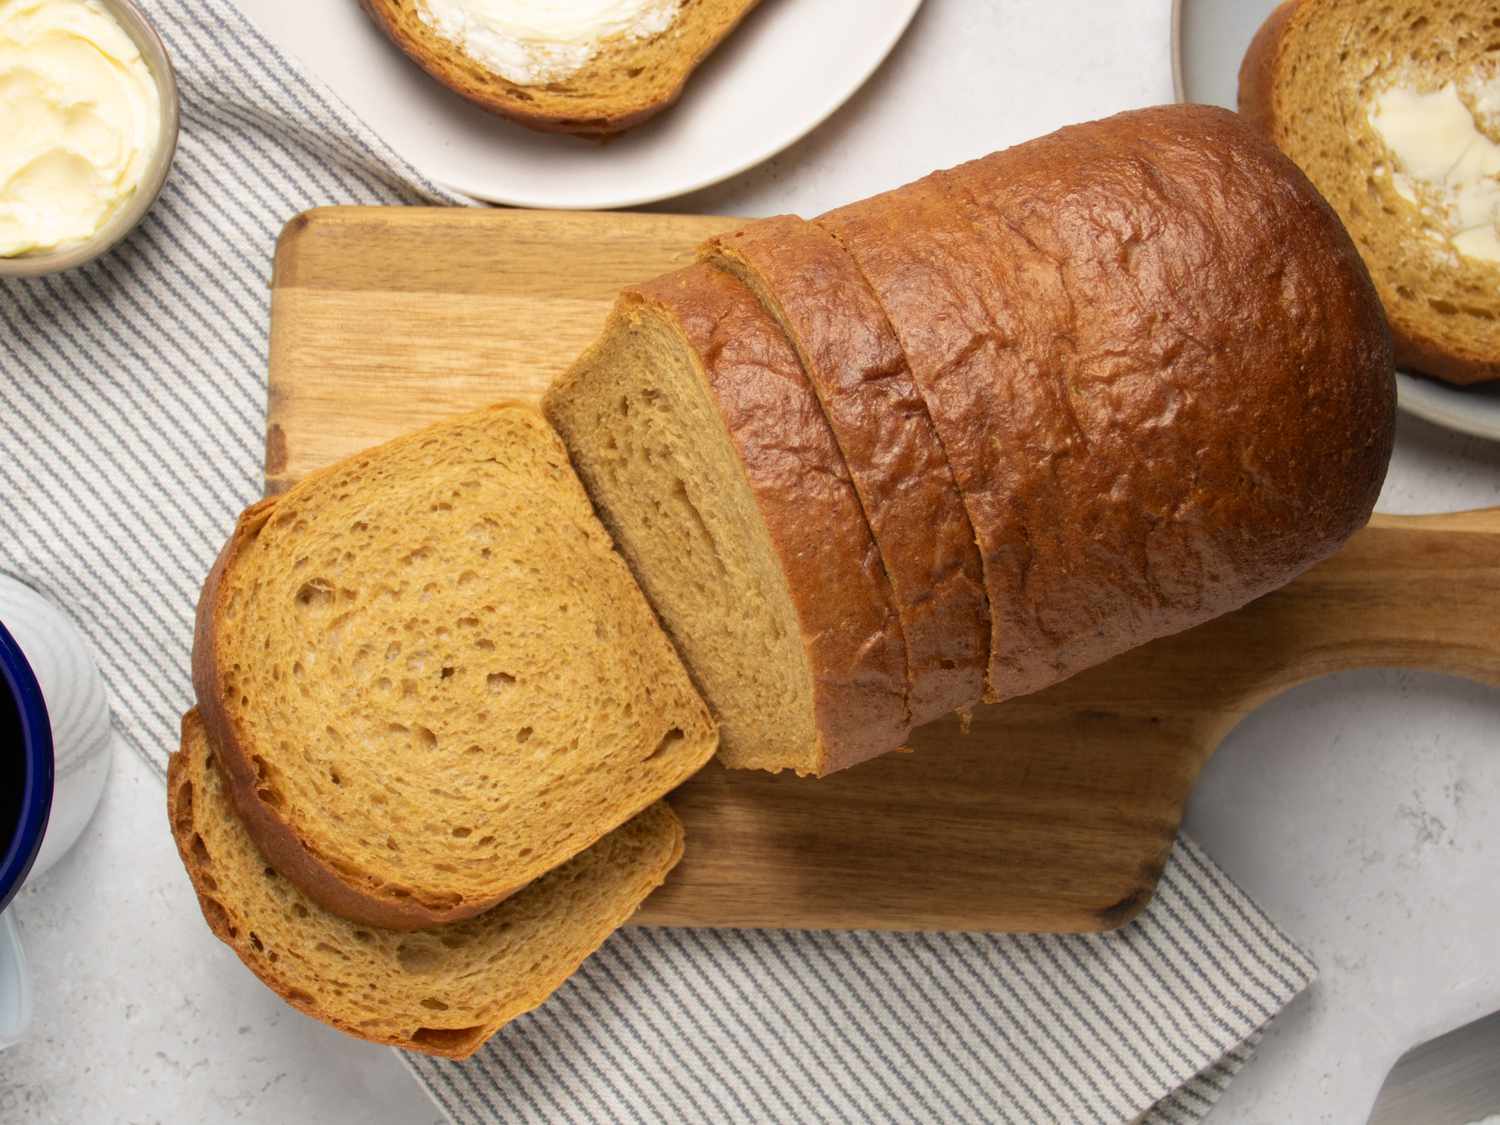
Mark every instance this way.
x=441 y=991
x=1393 y=111
x=431 y=679
x=591 y=67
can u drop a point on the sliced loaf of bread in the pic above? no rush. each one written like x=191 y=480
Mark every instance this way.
x=626 y=80
x=1157 y=367
x=855 y=363
x=710 y=460
x=441 y=991
x=1393 y=111
x=430 y=678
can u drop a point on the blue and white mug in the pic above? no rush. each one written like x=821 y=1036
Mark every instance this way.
x=26 y=777
x=54 y=743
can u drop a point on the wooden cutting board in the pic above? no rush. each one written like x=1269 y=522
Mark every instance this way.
x=1053 y=813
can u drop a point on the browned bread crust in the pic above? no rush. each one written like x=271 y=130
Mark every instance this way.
x=1257 y=69
x=854 y=362
x=811 y=512
x=1157 y=365
x=1423 y=306
x=935 y=306
x=284 y=848
x=623 y=87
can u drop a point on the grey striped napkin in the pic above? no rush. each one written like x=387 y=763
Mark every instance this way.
x=1149 y=1022
x=133 y=395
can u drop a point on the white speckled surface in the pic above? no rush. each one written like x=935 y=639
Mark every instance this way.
x=1359 y=811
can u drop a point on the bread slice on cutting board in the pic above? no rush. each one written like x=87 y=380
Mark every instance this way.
x=710 y=460
x=627 y=79
x=441 y=991
x=855 y=364
x=1393 y=111
x=431 y=679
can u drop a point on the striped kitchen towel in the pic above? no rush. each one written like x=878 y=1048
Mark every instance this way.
x=133 y=393
x=1149 y=1022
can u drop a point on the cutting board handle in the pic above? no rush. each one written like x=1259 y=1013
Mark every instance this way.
x=1425 y=593
x=1406 y=592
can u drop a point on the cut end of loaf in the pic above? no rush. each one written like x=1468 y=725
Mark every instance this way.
x=709 y=456
x=439 y=991
x=653 y=453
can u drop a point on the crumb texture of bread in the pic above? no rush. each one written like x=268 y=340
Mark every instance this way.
x=1157 y=366
x=440 y=991
x=710 y=460
x=854 y=362
x=625 y=83
x=430 y=678
x=1310 y=80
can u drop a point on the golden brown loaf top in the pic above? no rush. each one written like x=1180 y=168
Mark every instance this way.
x=1157 y=365
x=1318 y=79
x=440 y=991
x=626 y=82
x=855 y=363
x=430 y=678
x=934 y=301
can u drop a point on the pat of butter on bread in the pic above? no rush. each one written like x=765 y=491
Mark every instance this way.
x=532 y=43
x=1445 y=165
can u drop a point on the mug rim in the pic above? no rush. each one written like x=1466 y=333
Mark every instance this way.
x=36 y=746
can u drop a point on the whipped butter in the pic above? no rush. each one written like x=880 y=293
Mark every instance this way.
x=533 y=42
x=1443 y=164
x=81 y=120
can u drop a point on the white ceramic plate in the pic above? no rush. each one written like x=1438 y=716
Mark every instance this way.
x=1209 y=38
x=776 y=78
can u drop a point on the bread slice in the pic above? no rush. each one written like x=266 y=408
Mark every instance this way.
x=709 y=458
x=626 y=82
x=1157 y=366
x=441 y=991
x=1309 y=81
x=431 y=679
x=854 y=362
x=931 y=291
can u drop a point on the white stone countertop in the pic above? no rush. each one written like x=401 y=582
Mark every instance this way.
x=1360 y=811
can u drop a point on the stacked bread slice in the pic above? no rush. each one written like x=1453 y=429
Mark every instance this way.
x=442 y=990
x=436 y=718
x=947 y=445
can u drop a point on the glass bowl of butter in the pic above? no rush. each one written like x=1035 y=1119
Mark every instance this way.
x=90 y=101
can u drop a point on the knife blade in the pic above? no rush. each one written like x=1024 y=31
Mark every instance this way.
x=1451 y=1080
